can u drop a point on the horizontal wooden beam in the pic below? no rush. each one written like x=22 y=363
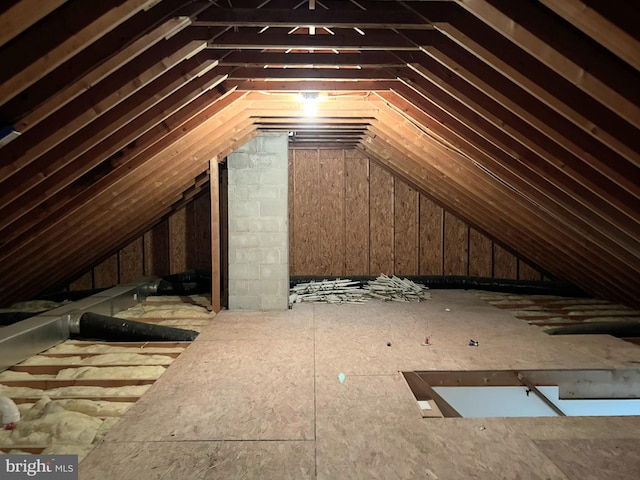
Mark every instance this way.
x=312 y=86
x=368 y=59
x=395 y=17
x=343 y=40
x=309 y=74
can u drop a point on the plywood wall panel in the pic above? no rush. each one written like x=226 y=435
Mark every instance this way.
x=405 y=209
x=504 y=263
x=131 y=261
x=178 y=241
x=356 y=169
x=306 y=229
x=106 y=273
x=150 y=253
x=381 y=255
x=527 y=272
x=430 y=231
x=198 y=225
x=156 y=250
x=456 y=249
x=331 y=212
x=480 y=255
x=85 y=282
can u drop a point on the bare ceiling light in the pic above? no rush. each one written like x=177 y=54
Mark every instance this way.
x=310 y=104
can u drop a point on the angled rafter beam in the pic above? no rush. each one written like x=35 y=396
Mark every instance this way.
x=22 y=15
x=56 y=208
x=535 y=78
x=416 y=169
x=132 y=198
x=466 y=65
x=535 y=233
x=571 y=55
x=31 y=63
x=584 y=171
x=100 y=59
x=598 y=27
x=128 y=207
x=95 y=102
x=94 y=76
x=32 y=174
x=532 y=183
x=139 y=131
x=525 y=160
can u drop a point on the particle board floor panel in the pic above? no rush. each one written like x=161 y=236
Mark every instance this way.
x=257 y=395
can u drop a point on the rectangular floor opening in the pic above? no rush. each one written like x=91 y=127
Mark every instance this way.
x=534 y=393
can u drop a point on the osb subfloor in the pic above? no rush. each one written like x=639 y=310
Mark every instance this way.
x=257 y=395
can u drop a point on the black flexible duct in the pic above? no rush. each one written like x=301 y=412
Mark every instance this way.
x=92 y=325
x=523 y=287
x=621 y=329
x=191 y=282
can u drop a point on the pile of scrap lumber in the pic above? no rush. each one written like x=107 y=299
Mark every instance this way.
x=328 y=291
x=349 y=291
x=396 y=289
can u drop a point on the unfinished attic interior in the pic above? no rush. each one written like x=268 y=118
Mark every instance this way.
x=230 y=153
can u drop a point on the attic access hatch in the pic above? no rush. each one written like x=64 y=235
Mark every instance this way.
x=530 y=393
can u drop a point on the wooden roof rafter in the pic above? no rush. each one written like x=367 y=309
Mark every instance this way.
x=532 y=110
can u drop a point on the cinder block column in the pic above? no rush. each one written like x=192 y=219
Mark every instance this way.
x=258 y=224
